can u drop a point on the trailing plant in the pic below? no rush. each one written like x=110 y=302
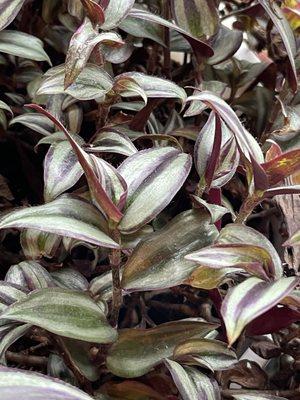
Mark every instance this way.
x=150 y=199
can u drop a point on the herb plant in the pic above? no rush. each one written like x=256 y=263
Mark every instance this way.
x=150 y=202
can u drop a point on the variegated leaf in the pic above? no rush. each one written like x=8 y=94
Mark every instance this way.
x=115 y=12
x=23 y=45
x=9 y=9
x=29 y=275
x=112 y=142
x=65 y=312
x=153 y=177
x=81 y=46
x=36 y=244
x=250 y=299
x=192 y=384
x=16 y=383
x=62 y=169
x=93 y=82
x=69 y=278
x=65 y=216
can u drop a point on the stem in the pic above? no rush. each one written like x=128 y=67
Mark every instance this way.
x=115 y=261
x=166 y=50
x=24 y=359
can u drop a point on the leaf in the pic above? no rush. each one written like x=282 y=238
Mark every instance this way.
x=91 y=83
x=112 y=142
x=64 y=216
x=9 y=293
x=137 y=351
x=81 y=46
x=282 y=166
x=200 y=46
x=199 y=18
x=36 y=244
x=98 y=194
x=36 y=122
x=257 y=396
x=286 y=34
x=128 y=87
x=241 y=234
x=29 y=275
x=154 y=86
x=21 y=44
x=143 y=29
x=250 y=299
x=115 y=12
x=254 y=259
x=94 y=11
x=207 y=352
x=209 y=278
x=192 y=384
x=16 y=383
x=216 y=212
x=153 y=177
x=231 y=120
x=79 y=354
x=158 y=261
x=64 y=312
x=9 y=9
x=61 y=169
x=69 y=278
x=11 y=337
x=225 y=44
x=294 y=239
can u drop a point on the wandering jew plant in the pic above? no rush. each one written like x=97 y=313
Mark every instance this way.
x=149 y=192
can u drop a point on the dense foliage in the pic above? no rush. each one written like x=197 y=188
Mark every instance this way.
x=150 y=203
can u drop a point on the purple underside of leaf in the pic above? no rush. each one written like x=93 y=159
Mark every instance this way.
x=294 y=189
x=96 y=189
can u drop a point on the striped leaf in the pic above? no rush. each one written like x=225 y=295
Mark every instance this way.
x=23 y=45
x=64 y=216
x=62 y=169
x=153 y=177
x=29 y=275
x=37 y=244
x=82 y=43
x=9 y=9
x=93 y=82
x=16 y=383
x=192 y=384
x=250 y=299
x=65 y=312
x=112 y=142
x=115 y=12
x=294 y=239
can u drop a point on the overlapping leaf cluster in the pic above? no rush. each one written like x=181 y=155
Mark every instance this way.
x=148 y=260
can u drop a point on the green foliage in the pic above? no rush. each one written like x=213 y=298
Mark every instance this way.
x=150 y=159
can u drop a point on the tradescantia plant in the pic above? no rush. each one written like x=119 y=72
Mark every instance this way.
x=149 y=199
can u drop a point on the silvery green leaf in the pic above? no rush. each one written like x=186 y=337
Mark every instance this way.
x=65 y=312
x=216 y=212
x=158 y=261
x=153 y=177
x=93 y=82
x=9 y=9
x=66 y=216
x=5 y=107
x=192 y=384
x=115 y=12
x=9 y=293
x=102 y=286
x=112 y=142
x=23 y=45
x=16 y=383
x=29 y=275
x=36 y=244
x=250 y=299
x=36 y=122
x=126 y=357
x=257 y=396
x=81 y=46
x=61 y=169
x=69 y=278
x=154 y=86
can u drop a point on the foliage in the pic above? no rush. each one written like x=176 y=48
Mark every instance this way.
x=149 y=195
